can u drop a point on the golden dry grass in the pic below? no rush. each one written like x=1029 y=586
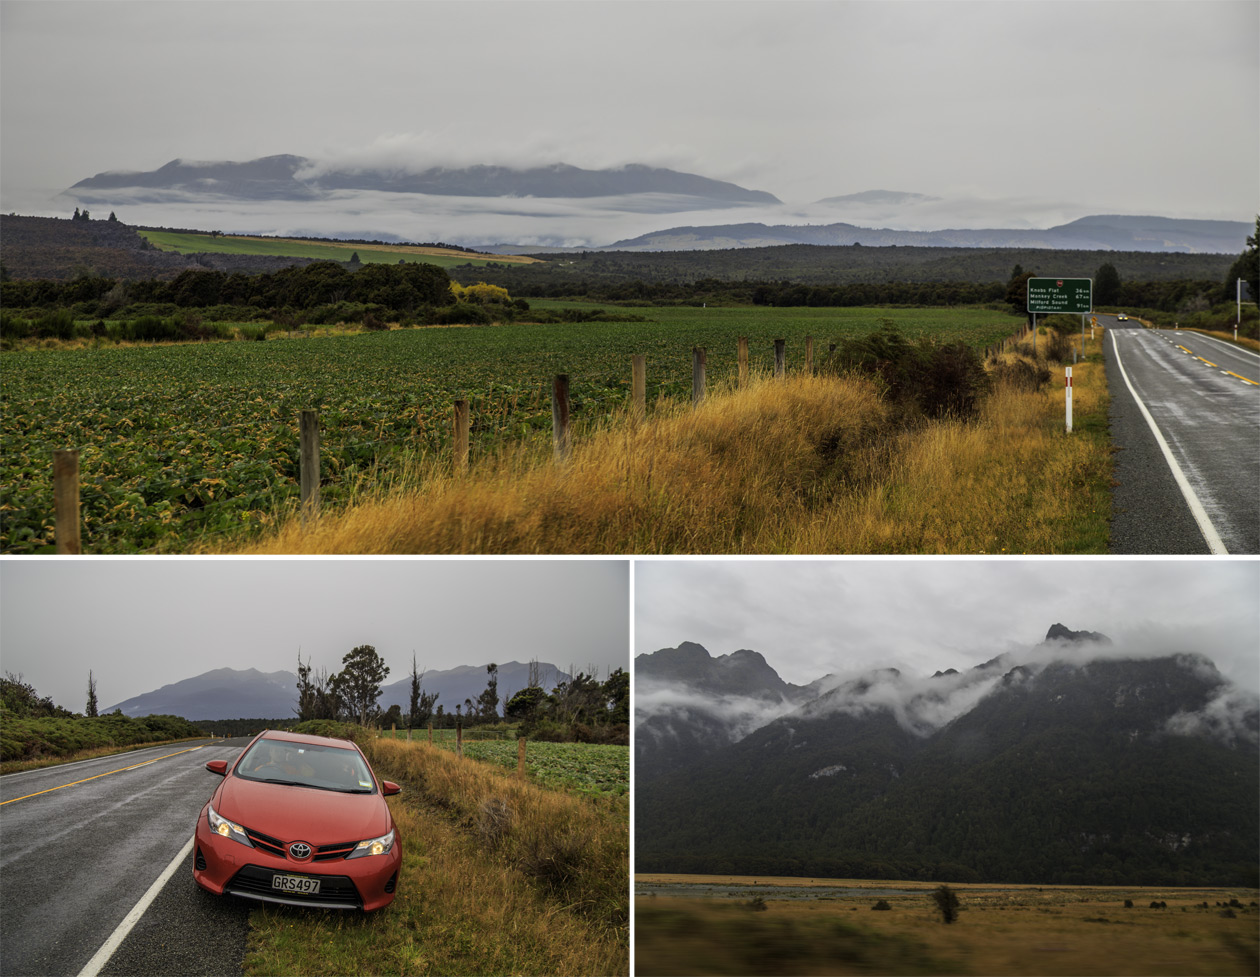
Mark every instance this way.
x=802 y=465
x=475 y=893
x=1052 y=930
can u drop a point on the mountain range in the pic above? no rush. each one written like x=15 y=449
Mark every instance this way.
x=1105 y=233
x=550 y=208
x=297 y=178
x=232 y=693
x=1072 y=762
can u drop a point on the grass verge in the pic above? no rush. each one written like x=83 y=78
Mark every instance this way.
x=802 y=465
x=499 y=877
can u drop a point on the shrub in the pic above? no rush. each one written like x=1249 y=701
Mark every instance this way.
x=947 y=902
x=1021 y=374
x=12 y=327
x=461 y=313
x=1057 y=347
x=882 y=904
x=57 y=324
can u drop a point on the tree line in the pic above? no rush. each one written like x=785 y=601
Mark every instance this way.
x=570 y=710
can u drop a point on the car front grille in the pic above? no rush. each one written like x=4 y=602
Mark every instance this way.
x=335 y=891
x=272 y=846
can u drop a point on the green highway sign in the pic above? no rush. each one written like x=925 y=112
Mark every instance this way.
x=1073 y=295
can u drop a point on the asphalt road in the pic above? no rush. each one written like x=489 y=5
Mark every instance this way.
x=81 y=843
x=1204 y=397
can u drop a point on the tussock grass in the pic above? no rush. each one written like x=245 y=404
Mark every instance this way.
x=498 y=877
x=801 y=465
x=1000 y=930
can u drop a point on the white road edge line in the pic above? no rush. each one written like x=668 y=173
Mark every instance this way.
x=125 y=927
x=1209 y=532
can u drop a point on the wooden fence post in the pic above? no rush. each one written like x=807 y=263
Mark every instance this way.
x=430 y=733
x=697 y=375
x=461 y=435
x=459 y=737
x=780 y=358
x=308 y=426
x=66 y=500
x=520 y=757
x=743 y=362
x=831 y=347
x=638 y=386
x=560 y=415
x=809 y=356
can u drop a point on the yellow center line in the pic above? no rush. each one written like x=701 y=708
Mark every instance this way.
x=106 y=774
x=1202 y=360
x=1243 y=379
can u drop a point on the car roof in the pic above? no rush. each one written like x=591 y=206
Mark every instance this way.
x=306 y=738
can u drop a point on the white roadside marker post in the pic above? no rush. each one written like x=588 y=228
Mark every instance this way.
x=1067 y=398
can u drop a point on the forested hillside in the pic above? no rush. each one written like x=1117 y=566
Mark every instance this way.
x=1099 y=770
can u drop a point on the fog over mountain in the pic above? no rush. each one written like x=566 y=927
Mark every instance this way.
x=631 y=206
x=1075 y=760
x=688 y=703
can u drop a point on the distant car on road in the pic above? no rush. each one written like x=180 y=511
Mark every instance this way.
x=1122 y=317
x=300 y=820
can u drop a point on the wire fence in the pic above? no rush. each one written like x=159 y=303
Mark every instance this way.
x=311 y=461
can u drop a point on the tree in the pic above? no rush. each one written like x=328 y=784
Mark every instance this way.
x=947 y=902
x=113 y=217
x=393 y=716
x=524 y=706
x=1017 y=292
x=359 y=682
x=1246 y=267
x=1106 y=284
x=421 y=704
x=90 y=711
x=488 y=701
x=616 y=689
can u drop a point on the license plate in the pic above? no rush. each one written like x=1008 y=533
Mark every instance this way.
x=295 y=883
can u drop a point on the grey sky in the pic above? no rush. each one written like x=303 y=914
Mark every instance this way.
x=810 y=618
x=140 y=624
x=1033 y=112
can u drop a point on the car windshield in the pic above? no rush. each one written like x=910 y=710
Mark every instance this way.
x=306 y=765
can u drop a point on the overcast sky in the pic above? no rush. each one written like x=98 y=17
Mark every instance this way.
x=811 y=618
x=1023 y=112
x=141 y=624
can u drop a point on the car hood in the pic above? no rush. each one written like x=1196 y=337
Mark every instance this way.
x=321 y=817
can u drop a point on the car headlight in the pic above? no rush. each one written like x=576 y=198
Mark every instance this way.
x=228 y=829
x=373 y=846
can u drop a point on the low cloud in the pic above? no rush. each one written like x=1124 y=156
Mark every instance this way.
x=672 y=703
x=1231 y=716
x=924 y=704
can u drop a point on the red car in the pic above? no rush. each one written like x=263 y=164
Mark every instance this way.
x=300 y=820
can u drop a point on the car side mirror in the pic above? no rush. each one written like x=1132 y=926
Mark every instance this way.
x=217 y=766
x=388 y=787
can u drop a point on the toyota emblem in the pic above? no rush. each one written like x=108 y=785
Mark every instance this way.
x=300 y=850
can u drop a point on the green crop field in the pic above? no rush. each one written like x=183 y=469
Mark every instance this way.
x=184 y=440
x=195 y=243
x=587 y=768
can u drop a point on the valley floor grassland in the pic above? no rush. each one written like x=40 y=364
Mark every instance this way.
x=805 y=464
x=187 y=242
x=499 y=876
x=1001 y=930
